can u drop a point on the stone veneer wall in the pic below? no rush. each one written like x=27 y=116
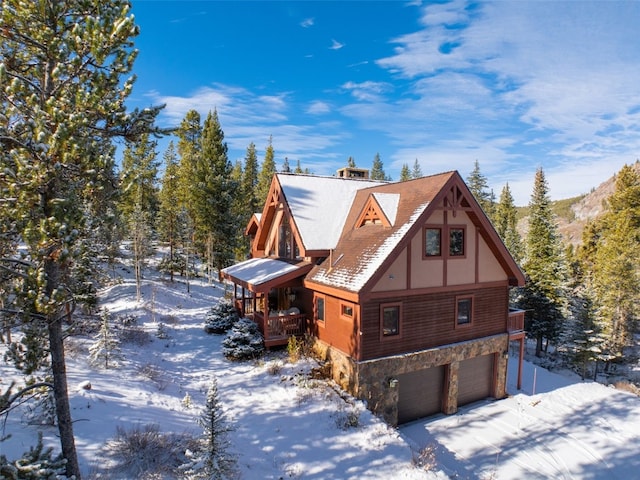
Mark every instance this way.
x=376 y=382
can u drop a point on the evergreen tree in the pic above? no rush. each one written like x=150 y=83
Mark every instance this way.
x=247 y=201
x=62 y=99
x=170 y=220
x=266 y=173
x=506 y=223
x=416 y=172
x=544 y=295
x=213 y=198
x=139 y=178
x=351 y=163
x=189 y=150
x=286 y=168
x=614 y=248
x=405 y=173
x=106 y=347
x=250 y=181
x=377 y=170
x=298 y=170
x=479 y=186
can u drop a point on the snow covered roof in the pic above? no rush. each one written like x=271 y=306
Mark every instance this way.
x=319 y=206
x=258 y=274
x=389 y=204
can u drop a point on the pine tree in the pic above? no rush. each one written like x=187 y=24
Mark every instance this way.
x=416 y=171
x=266 y=173
x=298 y=170
x=614 y=246
x=213 y=198
x=189 y=150
x=170 y=221
x=544 y=295
x=139 y=178
x=405 y=173
x=62 y=99
x=250 y=180
x=377 y=170
x=215 y=430
x=479 y=186
x=247 y=201
x=139 y=200
x=506 y=223
x=286 y=168
x=351 y=163
x=106 y=347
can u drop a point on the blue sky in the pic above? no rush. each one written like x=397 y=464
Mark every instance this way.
x=515 y=85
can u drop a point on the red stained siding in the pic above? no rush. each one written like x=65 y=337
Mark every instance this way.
x=428 y=321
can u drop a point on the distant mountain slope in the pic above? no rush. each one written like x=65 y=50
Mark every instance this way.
x=573 y=214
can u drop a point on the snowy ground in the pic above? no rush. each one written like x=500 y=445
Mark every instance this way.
x=286 y=425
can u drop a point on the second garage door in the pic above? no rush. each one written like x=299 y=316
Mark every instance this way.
x=475 y=378
x=420 y=393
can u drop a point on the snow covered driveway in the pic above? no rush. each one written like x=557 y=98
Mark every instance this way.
x=568 y=431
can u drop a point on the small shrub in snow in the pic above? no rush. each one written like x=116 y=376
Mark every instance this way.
x=425 y=458
x=186 y=401
x=244 y=341
x=161 y=332
x=294 y=349
x=221 y=317
x=36 y=464
x=348 y=416
x=145 y=452
x=274 y=367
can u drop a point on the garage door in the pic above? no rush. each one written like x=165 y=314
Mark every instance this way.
x=474 y=379
x=420 y=393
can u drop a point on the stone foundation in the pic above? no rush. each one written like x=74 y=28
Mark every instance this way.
x=375 y=381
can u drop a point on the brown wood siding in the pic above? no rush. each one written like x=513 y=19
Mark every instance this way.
x=338 y=331
x=428 y=321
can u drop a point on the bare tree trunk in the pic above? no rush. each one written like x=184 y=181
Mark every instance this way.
x=61 y=395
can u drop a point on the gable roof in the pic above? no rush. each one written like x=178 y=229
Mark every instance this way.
x=319 y=206
x=363 y=252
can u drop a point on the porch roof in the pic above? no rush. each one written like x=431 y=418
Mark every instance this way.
x=262 y=274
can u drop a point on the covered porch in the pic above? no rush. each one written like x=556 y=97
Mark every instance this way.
x=270 y=292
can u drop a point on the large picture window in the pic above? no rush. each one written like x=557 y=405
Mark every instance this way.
x=390 y=315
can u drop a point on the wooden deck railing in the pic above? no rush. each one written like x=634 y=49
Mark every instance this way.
x=515 y=322
x=277 y=329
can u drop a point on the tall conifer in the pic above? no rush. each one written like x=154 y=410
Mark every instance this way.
x=267 y=171
x=506 y=222
x=62 y=98
x=544 y=295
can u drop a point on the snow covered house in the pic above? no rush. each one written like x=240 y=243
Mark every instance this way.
x=404 y=286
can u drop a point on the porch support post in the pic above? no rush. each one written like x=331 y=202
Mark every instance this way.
x=520 y=359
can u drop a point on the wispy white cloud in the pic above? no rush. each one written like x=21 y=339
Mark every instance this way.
x=367 y=91
x=246 y=117
x=557 y=78
x=307 y=22
x=318 y=108
x=335 y=45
